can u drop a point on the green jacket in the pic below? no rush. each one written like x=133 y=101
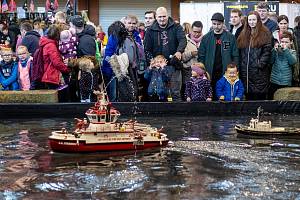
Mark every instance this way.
x=229 y=50
x=282 y=63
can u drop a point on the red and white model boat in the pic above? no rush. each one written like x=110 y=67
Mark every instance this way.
x=101 y=132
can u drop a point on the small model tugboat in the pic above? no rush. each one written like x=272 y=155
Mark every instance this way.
x=101 y=132
x=264 y=128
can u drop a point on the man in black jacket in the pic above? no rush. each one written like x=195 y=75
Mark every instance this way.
x=166 y=38
x=86 y=35
x=31 y=38
x=236 y=26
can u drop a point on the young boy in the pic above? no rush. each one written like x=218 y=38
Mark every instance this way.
x=8 y=71
x=283 y=58
x=230 y=87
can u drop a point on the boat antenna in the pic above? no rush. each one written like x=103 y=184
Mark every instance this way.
x=259 y=110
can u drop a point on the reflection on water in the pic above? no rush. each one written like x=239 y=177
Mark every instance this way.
x=205 y=161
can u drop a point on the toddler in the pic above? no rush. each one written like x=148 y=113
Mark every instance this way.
x=88 y=78
x=8 y=71
x=158 y=75
x=230 y=87
x=24 y=67
x=198 y=88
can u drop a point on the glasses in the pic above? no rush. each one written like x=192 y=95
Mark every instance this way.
x=6 y=55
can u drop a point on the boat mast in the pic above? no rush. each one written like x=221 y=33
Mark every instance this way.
x=258 y=112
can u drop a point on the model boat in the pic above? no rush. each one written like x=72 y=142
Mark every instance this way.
x=100 y=131
x=264 y=128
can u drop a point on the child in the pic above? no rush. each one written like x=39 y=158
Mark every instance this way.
x=88 y=78
x=198 y=88
x=283 y=58
x=24 y=67
x=8 y=71
x=230 y=87
x=158 y=76
x=68 y=44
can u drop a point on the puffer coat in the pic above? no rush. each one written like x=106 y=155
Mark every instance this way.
x=255 y=69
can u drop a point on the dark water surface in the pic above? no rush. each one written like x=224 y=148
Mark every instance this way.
x=206 y=160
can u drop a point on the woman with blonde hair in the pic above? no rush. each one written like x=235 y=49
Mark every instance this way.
x=187 y=28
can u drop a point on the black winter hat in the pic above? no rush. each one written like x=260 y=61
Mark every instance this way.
x=218 y=16
x=77 y=21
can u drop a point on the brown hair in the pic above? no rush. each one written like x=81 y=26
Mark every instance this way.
x=263 y=5
x=187 y=28
x=282 y=17
x=231 y=66
x=297 y=20
x=235 y=10
x=258 y=37
x=287 y=34
x=53 y=32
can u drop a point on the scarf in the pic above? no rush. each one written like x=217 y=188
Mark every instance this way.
x=196 y=40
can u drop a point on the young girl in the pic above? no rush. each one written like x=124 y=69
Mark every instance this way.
x=283 y=58
x=24 y=67
x=230 y=87
x=198 y=88
x=158 y=76
x=88 y=78
x=8 y=71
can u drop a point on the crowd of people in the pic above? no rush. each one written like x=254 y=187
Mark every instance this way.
x=154 y=60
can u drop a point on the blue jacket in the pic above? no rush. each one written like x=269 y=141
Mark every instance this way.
x=157 y=81
x=111 y=48
x=230 y=92
x=9 y=75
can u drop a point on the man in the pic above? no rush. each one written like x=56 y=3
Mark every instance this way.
x=218 y=48
x=166 y=38
x=86 y=36
x=190 y=54
x=263 y=11
x=30 y=37
x=130 y=22
x=236 y=26
x=149 y=18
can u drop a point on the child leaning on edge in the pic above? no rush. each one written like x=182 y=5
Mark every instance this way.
x=198 y=88
x=8 y=71
x=230 y=87
x=24 y=67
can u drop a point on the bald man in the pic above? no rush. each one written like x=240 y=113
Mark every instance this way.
x=167 y=38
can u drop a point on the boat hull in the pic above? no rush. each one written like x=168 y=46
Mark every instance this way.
x=243 y=130
x=72 y=146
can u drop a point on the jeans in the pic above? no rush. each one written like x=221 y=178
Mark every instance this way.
x=111 y=87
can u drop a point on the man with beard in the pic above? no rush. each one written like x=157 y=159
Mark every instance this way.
x=218 y=48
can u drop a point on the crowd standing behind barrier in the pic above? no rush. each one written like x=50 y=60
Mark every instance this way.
x=154 y=60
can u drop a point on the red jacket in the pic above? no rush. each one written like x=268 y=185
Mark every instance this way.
x=53 y=63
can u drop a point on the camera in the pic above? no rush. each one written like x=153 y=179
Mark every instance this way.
x=279 y=48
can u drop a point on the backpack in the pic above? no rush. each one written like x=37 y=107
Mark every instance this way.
x=37 y=70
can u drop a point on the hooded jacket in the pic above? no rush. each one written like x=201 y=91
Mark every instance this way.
x=87 y=44
x=31 y=41
x=9 y=75
x=228 y=90
x=153 y=45
x=53 y=63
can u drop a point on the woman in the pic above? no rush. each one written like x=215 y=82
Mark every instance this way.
x=254 y=44
x=119 y=42
x=53 y=63
x=283 y=24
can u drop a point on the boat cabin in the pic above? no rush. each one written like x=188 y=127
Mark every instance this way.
x=257 y=125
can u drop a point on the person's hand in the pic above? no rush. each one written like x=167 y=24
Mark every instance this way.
x=284 y=46
x=221 y=98
x=208 y=99
x=194 y=53
x=188 y=99
x=237 y=99
x=66 y=61
x=178 y=55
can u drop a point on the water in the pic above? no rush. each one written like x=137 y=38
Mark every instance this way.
x=206 y=160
